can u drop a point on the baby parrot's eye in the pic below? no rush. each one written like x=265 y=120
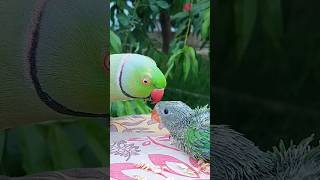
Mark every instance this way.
x=165 y=111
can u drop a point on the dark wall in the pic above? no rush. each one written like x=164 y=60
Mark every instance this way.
x=267 y=68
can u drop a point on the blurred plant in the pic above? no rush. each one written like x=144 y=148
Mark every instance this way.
x=52 y=146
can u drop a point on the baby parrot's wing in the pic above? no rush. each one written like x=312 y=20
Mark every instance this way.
x=197 y=140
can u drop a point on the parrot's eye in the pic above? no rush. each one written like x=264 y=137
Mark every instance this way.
x=165 y=111
x=146 y=81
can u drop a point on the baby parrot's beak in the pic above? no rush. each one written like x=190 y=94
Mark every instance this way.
x=156 y=95
x=155 y=116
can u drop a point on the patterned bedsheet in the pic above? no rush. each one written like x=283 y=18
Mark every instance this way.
x=141 y=149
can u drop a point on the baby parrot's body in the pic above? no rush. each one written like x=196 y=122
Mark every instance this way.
x=190 y=128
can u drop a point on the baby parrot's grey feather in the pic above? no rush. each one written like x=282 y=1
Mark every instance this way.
x=189 y=128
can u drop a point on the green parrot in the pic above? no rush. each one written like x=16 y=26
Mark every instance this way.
x=135 y=76
x=54 y=63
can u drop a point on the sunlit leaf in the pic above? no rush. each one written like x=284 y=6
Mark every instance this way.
x=205 y=28
x=187 y=61
x=115 y=43
x=128 y=108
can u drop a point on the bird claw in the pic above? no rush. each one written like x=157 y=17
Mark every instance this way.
x=204 y=166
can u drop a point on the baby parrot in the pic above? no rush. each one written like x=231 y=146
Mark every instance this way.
x=189 y=128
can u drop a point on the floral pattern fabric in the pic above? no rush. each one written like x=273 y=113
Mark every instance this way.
x=142 y=149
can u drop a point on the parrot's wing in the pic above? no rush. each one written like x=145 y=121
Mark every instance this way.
x=197 y=138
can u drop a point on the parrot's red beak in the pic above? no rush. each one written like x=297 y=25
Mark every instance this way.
x=156 y=95
x=155 y=116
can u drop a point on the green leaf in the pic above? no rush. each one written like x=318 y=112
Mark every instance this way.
x=205 y=27
x=63 y=153
x=143 y=107
x=95 y=140
x=128 y=108
x=154 y=8
x=123 y=19
x=115 y=43
x=163 y=4
x=179 y=16
x=172 y=60
x=195 y=68
x=119 y=108
x=121 y=4
x=174 y=57
x=182 y=28
x=186 y=62
x=192 y=54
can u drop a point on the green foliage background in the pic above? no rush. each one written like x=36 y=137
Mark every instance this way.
x=187 y=71
x=41 y=147
x=267 y=69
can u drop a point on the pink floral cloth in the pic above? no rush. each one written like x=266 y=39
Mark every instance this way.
x=137 y=140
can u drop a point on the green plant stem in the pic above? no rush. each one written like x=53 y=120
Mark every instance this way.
x=169 y=69
x=188 y=27
x=187 y=33
x=185 y=40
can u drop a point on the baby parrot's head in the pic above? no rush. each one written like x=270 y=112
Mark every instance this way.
x=171 y=113
x=143 y=78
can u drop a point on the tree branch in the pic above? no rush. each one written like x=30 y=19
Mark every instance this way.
x=165 y=30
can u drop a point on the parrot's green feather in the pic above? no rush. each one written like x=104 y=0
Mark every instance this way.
x=53 y=62
x=60 y=44
x=196 y=140
x=72 y=45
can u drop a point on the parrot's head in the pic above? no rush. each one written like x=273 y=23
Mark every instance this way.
x=143 y=78
x=172 y=114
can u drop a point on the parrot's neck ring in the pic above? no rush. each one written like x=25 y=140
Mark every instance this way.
x=121 y=86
